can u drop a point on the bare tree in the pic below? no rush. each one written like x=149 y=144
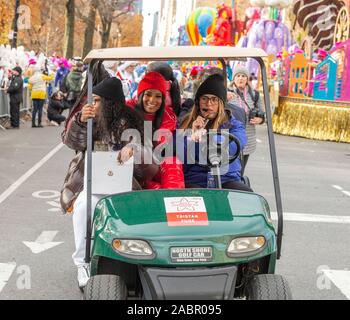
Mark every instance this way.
x=68 y=48
x=90 y=27
x=110 y=11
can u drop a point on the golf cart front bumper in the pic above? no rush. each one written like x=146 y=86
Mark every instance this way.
x=188 y=283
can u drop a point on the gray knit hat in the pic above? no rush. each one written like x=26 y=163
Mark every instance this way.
x=240 y=70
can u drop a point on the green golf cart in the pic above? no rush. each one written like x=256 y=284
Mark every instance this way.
x=188 y=243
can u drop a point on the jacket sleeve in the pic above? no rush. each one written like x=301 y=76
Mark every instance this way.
x=75 y=136
x=47 y=78
x=238 y=130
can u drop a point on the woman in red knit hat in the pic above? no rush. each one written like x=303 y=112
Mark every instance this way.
x=151 y=104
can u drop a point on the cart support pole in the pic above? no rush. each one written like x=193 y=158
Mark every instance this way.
x=89 y=171
x=273 y=157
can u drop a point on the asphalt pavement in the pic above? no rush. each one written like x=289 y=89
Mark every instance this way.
x=37 y=240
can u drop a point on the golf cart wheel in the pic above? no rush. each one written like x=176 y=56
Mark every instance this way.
x=105 y=287
x=268 y=287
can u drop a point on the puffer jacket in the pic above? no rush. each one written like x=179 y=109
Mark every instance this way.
x=75 y=137
x=198 y=175
x=170 y=174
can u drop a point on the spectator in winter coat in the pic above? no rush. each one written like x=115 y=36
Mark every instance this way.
x=248 y=100
x=54 y=111
x=209 y=113
x=60 y=75
x=37 y=85
x=15 y=90
x=72 y=84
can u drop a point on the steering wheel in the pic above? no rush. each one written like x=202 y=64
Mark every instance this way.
x=212 y=150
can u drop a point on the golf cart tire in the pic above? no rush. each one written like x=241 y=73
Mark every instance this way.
x=268 y=287
x=105 y=287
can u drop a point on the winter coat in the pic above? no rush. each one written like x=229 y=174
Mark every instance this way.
x=37 y=84
x=250 y=128
x=73 y=84
x=55 y=107
x=197 y=175
x=15 y=89
x=75 y=137
x=170 y=174
x=60 y=75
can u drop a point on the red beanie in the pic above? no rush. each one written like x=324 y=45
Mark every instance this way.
x=152 y=81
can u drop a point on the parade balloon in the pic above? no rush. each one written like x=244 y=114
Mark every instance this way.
x=204 y=23
x=260 y=31
x=200 y=24
x=270 y=30
x=278 y=33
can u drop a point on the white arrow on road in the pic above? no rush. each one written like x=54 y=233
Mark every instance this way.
x=6 y=270
x=341 y=279
x=43 y=242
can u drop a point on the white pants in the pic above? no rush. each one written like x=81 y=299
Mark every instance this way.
x=79 y=226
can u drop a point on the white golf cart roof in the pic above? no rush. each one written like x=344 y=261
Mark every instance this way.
x=187 y=53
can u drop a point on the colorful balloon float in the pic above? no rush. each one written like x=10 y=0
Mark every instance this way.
x=272 y=36
x=200 y=25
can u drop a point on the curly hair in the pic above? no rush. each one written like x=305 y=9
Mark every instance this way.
x=114 y=119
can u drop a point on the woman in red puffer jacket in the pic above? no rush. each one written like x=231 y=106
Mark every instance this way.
x=151 y=95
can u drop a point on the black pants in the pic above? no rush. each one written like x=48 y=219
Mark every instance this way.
x=14 y=113
x=235 y=185
x=56 y=117
x=38 y=105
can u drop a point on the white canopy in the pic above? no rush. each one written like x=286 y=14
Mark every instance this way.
x=185 y=53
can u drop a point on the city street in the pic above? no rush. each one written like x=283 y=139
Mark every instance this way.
x=37 y=240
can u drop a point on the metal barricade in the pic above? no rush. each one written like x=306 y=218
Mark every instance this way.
x=5 y=105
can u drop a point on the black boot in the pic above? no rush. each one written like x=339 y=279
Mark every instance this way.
x=33 y=124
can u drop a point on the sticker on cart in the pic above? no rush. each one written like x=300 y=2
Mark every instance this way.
x=186 y=211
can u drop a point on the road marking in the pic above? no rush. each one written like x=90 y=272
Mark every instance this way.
x=341 y=279
x=24 y=177
x=337 y=187
x=43 y=242
x=347 y=193
x=6 y=270
x=305 y=217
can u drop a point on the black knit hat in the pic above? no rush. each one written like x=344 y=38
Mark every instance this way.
x=215 y=85
x=18 y=69
x=110 y=88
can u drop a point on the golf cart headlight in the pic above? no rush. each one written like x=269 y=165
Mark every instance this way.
x=246 y=245
x=137 y=248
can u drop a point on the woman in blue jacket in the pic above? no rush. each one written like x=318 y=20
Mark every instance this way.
x=209 y=113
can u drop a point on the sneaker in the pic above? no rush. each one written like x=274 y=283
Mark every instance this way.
x=54 y=123
x=83 y=275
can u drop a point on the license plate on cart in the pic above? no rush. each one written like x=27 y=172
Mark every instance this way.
x=191 y=254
